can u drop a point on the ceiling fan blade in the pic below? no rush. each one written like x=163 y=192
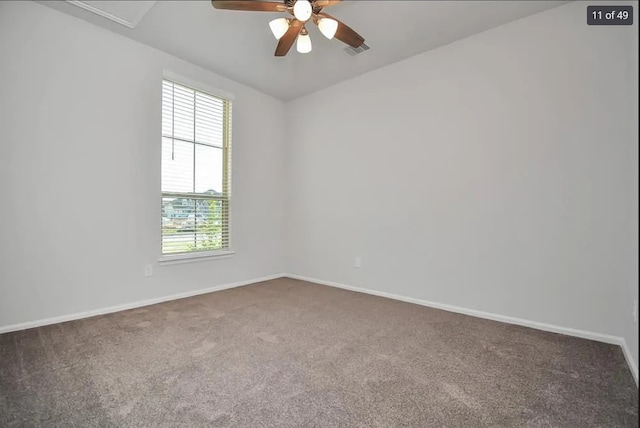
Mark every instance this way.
x=285 y=43
x=250 y=5
x=326 y=3
x=344 y=33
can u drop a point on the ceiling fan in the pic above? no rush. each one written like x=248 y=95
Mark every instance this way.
x=288 y=30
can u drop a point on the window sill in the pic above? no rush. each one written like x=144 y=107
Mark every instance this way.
x=195 y=257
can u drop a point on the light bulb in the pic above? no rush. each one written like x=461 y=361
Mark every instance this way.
x=303 y=44
x=328 y=27
x=302 y=10
x=279 y=27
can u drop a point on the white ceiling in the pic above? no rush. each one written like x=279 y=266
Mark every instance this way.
x=127 y=13
x=239 y=45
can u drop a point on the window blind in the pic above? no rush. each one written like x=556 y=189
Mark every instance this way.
x=196 y=170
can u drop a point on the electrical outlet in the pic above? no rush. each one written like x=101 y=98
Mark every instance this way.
x=148 y=270
x=358 y=262
x=635 y=311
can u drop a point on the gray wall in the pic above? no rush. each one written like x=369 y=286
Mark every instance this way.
x=498 y=173
x=80 y=171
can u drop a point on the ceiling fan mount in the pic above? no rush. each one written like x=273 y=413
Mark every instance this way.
x=289 y=30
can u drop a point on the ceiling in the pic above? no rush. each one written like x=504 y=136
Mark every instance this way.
x=239 y=45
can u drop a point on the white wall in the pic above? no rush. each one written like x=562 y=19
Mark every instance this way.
x=80 y=171
x=630 y=331
x=498 y=173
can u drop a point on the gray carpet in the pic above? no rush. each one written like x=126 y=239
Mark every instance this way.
x=287 y=353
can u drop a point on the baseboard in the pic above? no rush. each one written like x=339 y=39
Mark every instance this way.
x=632 y=364
x=451 y=308
x=606 y=338
x=126 y=306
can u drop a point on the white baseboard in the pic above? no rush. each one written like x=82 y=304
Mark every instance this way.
x=124 y=307
x=632 y=364
x=606 y=338
x=451 y=308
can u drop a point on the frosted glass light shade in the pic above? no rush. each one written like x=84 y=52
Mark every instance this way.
x=302 y=10
x=279 y=27
x=328 y=27
x=303 y=44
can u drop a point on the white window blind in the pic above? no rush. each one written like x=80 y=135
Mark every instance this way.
x=196 y=170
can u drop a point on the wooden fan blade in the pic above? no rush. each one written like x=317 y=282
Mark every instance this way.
x=250 y=5
x=285 y=43
x=345 y=33
x=326 y=3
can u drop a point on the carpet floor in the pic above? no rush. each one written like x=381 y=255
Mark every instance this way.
x=287 y=353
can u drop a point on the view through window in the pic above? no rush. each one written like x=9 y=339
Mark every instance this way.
x=196 y=159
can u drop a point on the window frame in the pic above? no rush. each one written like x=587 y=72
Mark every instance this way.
x=225 y=198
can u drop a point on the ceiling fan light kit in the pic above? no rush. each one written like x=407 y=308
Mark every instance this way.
x=328 y=27
x=302 y=10
x=289 y=30
x=303 y=45
x=279 y=27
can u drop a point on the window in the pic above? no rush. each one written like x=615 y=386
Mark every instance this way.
x=196 y=159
